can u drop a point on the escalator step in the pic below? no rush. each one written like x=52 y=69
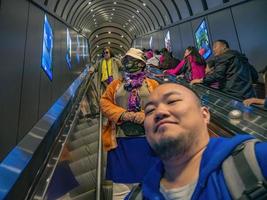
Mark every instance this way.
x=86 y=196
x=84 y=125
x=84 y=132
x=93 y=137
x=84 y=165
x=87 y=182
x=84 y=151
x=89 y=121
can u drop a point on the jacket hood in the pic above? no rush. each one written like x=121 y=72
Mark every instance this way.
x=217 y=150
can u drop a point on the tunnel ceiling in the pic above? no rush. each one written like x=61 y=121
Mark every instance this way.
x=116 y=23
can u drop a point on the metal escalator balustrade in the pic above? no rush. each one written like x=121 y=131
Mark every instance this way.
x=48 y=187
x=79 y=161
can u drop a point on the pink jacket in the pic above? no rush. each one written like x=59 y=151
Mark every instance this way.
x=197 y=71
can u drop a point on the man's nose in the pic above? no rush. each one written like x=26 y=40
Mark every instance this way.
x=161 y=112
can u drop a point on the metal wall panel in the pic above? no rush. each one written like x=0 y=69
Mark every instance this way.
x=177 y=50
x=196 y=6
x=251 y=25
x=157 y=38
x=13 y=20
x=31 y=75
x=183 y=8
x=213 y=3
x=160 y=38
x=60 y=67
x=145 y=41
x=186 y=35
x=25 y=90
x=221 y=26
x=138 y=43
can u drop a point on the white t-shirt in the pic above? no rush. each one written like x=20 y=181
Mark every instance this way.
x=181 y=193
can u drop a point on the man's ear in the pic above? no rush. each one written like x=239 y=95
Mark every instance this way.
x=205 y=114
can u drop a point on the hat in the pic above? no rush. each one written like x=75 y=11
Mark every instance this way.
x=153 y=61
x=135 y=53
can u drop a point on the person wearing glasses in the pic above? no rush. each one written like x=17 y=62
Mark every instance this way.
x=108 y=68
x=129 y=156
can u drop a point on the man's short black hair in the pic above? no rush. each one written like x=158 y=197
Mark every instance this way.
x=189 y=87
x=223 y=42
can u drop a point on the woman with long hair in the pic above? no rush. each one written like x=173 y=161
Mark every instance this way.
x=191 y=67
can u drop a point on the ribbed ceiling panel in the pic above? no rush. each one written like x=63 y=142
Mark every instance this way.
x=116 y=23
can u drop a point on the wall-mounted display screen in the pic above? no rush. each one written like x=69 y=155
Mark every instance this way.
x=168 y=41
x=150 y=42
x=68 y=53
x=47 y=49
x=86 y=52
x=78 y=51
x=83 y=48
x=202 y=39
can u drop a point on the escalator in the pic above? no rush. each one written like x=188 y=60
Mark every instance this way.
x=69 y=163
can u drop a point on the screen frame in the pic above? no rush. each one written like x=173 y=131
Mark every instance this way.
x=78 y=49
x=151 y=42
x=167 y=41
x=208 y=35
x=69 y=49
x=49 y=71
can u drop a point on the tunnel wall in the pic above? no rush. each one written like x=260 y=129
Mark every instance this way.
x=26 y=93
x=243 y=25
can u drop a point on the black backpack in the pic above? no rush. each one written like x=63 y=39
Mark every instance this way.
x=241 y=172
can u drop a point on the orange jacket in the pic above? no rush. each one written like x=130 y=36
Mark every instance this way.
x=113 y=112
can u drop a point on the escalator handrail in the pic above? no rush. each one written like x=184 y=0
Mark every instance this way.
x=100 y=152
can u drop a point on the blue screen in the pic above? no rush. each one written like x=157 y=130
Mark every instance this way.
x=47 y=49
x=202 y=39
x=68 y=53
x=78 y=49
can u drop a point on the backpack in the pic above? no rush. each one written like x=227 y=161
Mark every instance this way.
x=243 y=175
x=243 y=183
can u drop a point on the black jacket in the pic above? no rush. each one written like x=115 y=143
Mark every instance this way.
x=169 y=61
x=234 y=73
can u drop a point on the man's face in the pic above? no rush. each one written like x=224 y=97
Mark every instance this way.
x=173 y=120
x=106 y=54
x=218 y=48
